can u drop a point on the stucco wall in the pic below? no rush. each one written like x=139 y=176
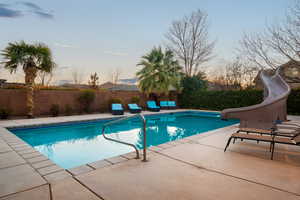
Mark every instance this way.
x=44 y=99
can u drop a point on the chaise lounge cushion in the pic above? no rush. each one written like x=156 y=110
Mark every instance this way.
x=134 y=106
x=151 y=105
x=164 y=104
x=116 y=106
x=172 y=104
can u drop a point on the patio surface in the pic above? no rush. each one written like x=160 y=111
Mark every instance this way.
x=193 y=168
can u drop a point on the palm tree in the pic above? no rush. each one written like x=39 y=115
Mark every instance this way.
x=32 y=58
x=160 y=72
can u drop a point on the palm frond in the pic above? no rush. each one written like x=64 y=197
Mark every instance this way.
x=160 y=72
x=21 y=54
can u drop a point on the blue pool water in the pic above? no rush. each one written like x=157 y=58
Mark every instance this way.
x=74 y=144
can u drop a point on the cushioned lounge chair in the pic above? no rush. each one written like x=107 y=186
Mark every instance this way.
x=261 y=120
x=288 y=125
x=151 y=105
x=134 y=108
x=172 y=104
x=272 y=139
x=164 y=105
x=281 y=131
x=117 y=109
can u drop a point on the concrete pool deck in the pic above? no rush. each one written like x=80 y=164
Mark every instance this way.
x=192 y=168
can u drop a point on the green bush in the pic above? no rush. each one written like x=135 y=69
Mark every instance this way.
x=56 y=88
x=193 y=84
x=4 y=113
x=68 y=109
x=54 y=110
x=219 y=100
x=14 y=87
x=113 y=100
x=135 y=99
x=85 y=99
x=293 y=103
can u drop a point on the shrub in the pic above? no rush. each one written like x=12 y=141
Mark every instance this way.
x=85 y=99
x=54 y=110
x=14 y=87
x=193 y=84
x=219 y=100
x=68 y=109
x=4 y=113
x=113 y=100
x=56 y=88
x=293 y=103
x=135 y=99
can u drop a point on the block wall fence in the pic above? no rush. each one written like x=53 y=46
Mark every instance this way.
x=15 y=100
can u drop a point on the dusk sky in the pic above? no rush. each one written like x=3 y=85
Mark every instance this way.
x=104 y=35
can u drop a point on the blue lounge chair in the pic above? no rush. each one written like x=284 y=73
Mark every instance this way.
x=117 y=109
x=134 y=108
x=172 y=104
x=164 y=105
x=151 y=105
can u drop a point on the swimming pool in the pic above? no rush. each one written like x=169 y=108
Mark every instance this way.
x=74 y=144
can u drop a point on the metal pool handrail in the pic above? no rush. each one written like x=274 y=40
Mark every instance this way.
x=126 y=143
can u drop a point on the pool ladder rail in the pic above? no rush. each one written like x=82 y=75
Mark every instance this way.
x=142 y=118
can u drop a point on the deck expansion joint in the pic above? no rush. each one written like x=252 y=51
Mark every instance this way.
x=91 y=167
x=50 y=192
x=100 y=197
x=32 y=188
x=222 y=173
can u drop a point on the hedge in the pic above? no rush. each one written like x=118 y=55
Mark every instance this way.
x=294 y=102
x=219 y=100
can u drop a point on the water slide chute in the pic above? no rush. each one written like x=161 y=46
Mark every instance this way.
x=267 y=113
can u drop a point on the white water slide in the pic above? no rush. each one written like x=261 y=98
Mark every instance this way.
x=272 y=109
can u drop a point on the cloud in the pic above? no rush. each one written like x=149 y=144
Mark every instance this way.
x=115 y=53
x=31 y=5
x=5 y=11
x=64 y=45
x=43 y=14
x=37 y=10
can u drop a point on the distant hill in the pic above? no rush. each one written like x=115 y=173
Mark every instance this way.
x=117 y=87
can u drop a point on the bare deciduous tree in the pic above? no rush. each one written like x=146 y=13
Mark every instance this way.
x=234 y=74
x=94 y=80
x=240 y=74
x=249 y=74
x=237 y=74
x=45 y=78
x=256 y=50
x=188 y=39
x=115 y=75
x=278 y=44
x=77 y=77
x=1 y=70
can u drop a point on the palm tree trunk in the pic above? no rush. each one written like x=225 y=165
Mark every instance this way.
x=29 y=103
x=30 y=75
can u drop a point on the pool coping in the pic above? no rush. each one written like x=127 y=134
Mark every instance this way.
x=51 y=172
x=86 y=168
x=36 y=122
